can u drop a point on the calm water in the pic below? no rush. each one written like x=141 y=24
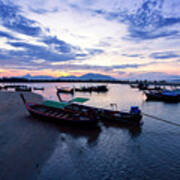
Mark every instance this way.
x=151 y=151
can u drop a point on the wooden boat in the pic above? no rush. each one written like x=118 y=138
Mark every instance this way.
x=163 y=95
x=134 y=85
x=133 y=116
x=65 y=90
x=98 y=89
x=140 y=86
x=59 y=115
x=154 y=88
x=38 y=89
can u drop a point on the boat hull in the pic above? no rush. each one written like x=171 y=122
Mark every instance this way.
x=60 y=116
x=160 y=97
x=110 y=115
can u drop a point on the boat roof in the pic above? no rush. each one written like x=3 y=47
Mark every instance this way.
x=79 y=100
x=56 y=104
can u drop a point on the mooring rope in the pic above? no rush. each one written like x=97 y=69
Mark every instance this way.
x=160 y=119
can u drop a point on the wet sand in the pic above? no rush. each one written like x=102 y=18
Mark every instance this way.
x=25 y=143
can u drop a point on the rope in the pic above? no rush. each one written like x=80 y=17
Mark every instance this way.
x=159 y=119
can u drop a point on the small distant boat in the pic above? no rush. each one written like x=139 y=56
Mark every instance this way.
x=59 y=115
x=23 y=88
x=65 y=90
x=38 y=89
x=14 y=86
x=163 y=95
x=98 y=89
x=134 y=85
x=140 y=86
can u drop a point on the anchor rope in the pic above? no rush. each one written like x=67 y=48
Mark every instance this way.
x=160 y=119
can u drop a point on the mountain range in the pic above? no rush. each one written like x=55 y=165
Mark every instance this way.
x=93 y=76
x=152 y=76
x=89 y=76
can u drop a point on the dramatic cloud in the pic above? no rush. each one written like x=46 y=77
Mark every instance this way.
x=12 y=20
x=164 y=55
x=83 y=35
x=7 y=35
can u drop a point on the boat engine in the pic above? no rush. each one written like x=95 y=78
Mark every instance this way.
x=135 y=110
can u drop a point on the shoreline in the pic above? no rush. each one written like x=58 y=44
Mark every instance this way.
x=26 y=143
x=156 y=83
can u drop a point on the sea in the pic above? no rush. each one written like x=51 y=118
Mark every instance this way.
x=114 y=151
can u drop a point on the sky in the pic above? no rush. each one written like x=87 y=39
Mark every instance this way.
x=121 y=38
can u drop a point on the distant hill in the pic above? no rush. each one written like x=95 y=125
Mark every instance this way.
x=68 y=77
x=92 y=76
x=89 y=76
x=152 y=76
x=42 y=77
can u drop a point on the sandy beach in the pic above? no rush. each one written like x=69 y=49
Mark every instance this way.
x=25 y=143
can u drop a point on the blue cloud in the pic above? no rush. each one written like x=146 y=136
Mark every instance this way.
x=164 y=55
x=95 y=51
x=40 y=52
x=43 y=11
x=146 y=22
x=60 y=45
x=7 y=35
x=132 y=55
x=9 y=15
x=145 y=35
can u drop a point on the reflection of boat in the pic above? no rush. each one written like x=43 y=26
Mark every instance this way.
x=59 y=115
x=91 y=134
x=23 y=88
x=11 y=86
x=65 y=90
x=133 y=116
x=133 y=129
x=38 y=88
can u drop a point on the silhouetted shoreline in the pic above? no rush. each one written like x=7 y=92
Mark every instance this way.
x=21 y=80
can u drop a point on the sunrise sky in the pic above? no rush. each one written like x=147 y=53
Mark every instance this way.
x=121 y=38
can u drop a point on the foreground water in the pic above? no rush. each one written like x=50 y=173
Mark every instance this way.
x=150 y=151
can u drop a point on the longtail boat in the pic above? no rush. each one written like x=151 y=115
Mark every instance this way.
x=163 y=95
x=131 y=117
x=65 y=90
x=55 y=114
x=38 y=88
x=98 y=89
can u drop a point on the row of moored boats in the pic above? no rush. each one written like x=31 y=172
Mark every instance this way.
x=157 y=93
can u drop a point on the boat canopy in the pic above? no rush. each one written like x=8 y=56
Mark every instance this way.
x=79 y=100
x=63 y=104
x=55 y=104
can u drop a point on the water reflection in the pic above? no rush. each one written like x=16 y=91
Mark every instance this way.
x=91 y=134
x=134 y=130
